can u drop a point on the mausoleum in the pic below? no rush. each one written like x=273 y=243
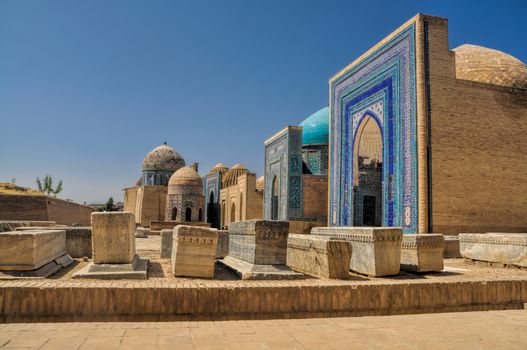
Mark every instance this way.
x=424 y=137
x=147 y=199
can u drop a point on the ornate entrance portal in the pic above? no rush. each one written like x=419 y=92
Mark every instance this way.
x=367 y=181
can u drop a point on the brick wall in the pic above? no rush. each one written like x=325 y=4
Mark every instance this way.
x=315 y=196
x=479 y=148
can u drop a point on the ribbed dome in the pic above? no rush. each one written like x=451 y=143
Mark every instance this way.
x=260 y=183
x=478 y=63
x=220 y=167
x=185 y=176
x=315 y=129
x=231 y=176
x=164 y=158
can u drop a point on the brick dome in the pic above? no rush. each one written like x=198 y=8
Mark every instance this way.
x=163 y=158
x=185 y=176
x=231 y=176
x=478 y=63
x=221 y=168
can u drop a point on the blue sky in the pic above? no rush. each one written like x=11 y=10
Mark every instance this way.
x=87 y=88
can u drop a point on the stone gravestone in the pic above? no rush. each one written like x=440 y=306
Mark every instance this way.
x=194 y=251
x=376 y=250
x=319 y=256
x=422 y=252
x=113 y=248
x=452 y=247
x=258 y=250
x=33 y=253
x=223 y=244
x=166 y=243
x=142 y=232
x=501 y=248
x=78 y=239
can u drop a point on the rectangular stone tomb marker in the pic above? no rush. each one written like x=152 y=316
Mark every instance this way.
x=113 y=248
x=258 y=250
x=376 y=250
x=32 y=253
x=502 y=248
x=194 y=251
x=422 y=252
x=319 y=256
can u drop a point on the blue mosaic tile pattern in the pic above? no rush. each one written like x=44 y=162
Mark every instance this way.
x=381 y=86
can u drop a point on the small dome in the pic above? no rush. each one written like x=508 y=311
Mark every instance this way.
x=231 y=177
x=478 y=63
x=164 y=158
x=185 y=176
x=315 y=129
x=260 y=183
x=220 y=167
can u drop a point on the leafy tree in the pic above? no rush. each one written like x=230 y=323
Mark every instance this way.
x=109 y=206
x=46 y=186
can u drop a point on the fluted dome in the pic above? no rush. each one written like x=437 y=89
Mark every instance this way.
x=185 y=176
x=231 y=176
x=220 y=167
x=478 y=63
x=163 y=158
x=315 y=129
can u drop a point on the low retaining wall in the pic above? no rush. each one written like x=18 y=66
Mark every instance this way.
x=125 y=302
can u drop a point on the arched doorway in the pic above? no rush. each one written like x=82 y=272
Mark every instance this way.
x=367 y=173
x=188 y=214
x=222 y=213
x=200 y=215
x=173 y=216
x=211 y=212
x=275 y=190
x=233 y=212
x=241 y=206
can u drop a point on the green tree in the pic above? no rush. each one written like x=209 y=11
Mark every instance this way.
x=46 y=186
x=109 y=206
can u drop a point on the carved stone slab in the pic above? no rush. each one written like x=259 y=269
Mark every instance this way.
x=422 y=252
x=166 y=243
x=452 y=247
x=505 y=248
x=376 y=250
x=142 y=232
x=113 y=237
x=136 y=269
x=222 y=250
x=319 y=256
x=261 y=242
x=78 y=239
x=248 y=271
x=194 y=251
x=30 y=250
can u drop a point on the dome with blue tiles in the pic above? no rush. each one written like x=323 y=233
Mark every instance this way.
x=315 y=129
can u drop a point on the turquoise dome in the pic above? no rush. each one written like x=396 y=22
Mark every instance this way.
x=315 y=129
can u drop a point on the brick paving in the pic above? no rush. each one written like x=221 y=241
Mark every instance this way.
x=468 y=330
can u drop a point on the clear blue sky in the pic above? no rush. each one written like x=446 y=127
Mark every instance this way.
x=87 y=88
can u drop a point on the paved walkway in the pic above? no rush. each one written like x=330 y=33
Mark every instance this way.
x=468 y=330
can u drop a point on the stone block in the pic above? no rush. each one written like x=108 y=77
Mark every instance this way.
x=452 y=247
x=30 y=250
x=504 y=248
x=142 y=232
x=113 y=237
x=261 y=242
x=376 y=250
x=166 y=243
x=194 y=251
x=248 y=271
x=422 y=252
x=222 y=250
x=78 y=239
x=319 y=256
x=136 y=269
